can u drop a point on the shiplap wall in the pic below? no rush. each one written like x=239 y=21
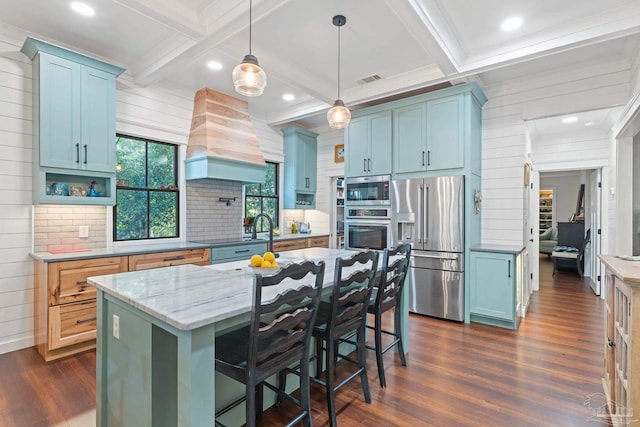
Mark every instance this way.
x=504 y=136
x=16 y=270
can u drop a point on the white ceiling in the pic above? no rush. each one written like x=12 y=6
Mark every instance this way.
x=410 y=44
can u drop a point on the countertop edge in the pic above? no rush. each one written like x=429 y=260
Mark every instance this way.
x=628 y=271
x=153 y=248
x=505 y=249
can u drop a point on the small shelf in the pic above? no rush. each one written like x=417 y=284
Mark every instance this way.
x=73 y=187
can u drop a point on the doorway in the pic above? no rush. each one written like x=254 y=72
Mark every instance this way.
x=576 y=199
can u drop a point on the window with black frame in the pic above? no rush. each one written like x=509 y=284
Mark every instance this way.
x=262 y=198
x=147 y=197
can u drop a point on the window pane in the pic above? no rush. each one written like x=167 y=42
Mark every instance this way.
x=252 y=189
x=130 y=155
x=163 y=214
x=269 y=186
x=161 y=165
x=131 y=215
x=252 y=206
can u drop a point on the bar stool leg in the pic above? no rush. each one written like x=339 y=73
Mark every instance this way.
x=378 y=339
x=362 y=361
x=330 y=378
x=398 y=330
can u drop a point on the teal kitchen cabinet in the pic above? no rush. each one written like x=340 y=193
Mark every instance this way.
x=409 y=138
x=74 y=103
x=445 y=133
x=496 y=285
x=300 y=168
x=368 y=145
x=237 y=252
x=429 y=136
x=77 y=109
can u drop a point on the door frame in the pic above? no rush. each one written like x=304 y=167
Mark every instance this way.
x=534 y=267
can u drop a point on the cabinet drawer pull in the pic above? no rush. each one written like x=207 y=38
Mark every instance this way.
x=81 y=282
x=77 y=153
x=242 y=251
x=85 y=154
x=175 y=258
x=81 y=321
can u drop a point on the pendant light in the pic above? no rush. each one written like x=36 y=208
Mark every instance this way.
x=338 y=116
x=248 y=78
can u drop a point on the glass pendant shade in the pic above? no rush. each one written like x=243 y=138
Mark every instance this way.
x=338 y=116
x=248 y=78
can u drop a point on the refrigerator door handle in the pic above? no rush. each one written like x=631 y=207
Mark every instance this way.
x=426 y=206
x=419 y=223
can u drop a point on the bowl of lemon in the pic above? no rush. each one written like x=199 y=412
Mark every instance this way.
x=264 y=264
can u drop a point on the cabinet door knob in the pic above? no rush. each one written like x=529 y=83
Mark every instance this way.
x=611 y=343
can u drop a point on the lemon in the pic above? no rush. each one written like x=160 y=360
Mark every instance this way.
x=256 y=260
x=275 y=264
x=265 y=264
x=269 y=256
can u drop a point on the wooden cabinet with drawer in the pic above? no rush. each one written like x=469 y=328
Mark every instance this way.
x=201 y=256
x=289 y=245
x=65 y=305
x=319 y=242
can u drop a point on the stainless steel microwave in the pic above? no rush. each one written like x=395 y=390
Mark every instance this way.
x=368 y=190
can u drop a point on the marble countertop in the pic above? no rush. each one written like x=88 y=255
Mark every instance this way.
x=628 y=271
x=162 y=247
x=505 y=249
x=189 y=296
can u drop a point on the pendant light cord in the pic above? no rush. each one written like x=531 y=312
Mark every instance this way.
x=338 y=62
x=250 y=7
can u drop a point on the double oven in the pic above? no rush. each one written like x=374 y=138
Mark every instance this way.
x=367 y=222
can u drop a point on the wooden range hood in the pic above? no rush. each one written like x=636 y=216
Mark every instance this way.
x=222 y=142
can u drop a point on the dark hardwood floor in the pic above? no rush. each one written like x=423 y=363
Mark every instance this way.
x=548 y=373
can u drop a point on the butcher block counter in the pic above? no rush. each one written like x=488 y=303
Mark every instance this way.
x=621 y=380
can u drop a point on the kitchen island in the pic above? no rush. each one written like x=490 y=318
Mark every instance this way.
x=156 y=339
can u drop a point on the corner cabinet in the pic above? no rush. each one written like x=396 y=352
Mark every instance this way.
x=300 y=168
x=74 y=124
x=496 y=285
x=368 y=145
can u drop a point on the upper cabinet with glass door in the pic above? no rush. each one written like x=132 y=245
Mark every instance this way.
x=74 y=121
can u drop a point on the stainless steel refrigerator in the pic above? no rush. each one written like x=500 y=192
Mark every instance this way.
x=428 y=213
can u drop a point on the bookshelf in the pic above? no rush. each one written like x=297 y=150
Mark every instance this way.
x=546 y=209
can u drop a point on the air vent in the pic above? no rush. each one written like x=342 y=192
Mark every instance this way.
x=369 y=79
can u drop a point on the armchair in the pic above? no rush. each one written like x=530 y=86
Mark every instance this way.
x=548 y=239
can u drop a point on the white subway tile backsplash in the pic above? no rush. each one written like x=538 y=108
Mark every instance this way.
x=57 y=226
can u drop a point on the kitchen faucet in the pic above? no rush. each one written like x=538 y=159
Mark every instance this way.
x=255 y=224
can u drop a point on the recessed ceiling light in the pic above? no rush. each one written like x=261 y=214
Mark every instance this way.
x=571 y=119
x=288 y=97
x=214 y=65
x=511 y=23
x=82 y=8
x=589 y=124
